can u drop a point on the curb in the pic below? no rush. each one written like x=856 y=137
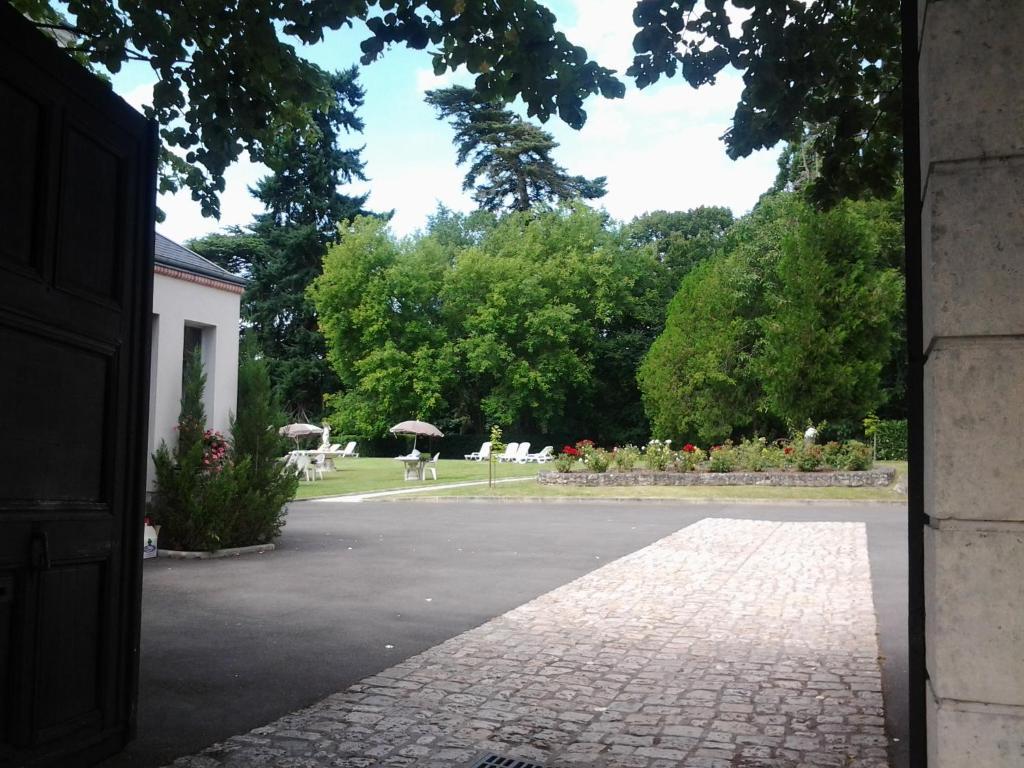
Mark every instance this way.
x=643 y=499
x=178 y=554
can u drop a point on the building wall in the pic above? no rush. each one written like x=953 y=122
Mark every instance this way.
x=177 y=303
x=972 y=221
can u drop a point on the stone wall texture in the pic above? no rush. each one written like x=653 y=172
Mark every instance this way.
x=972 y=232
x=875 y=478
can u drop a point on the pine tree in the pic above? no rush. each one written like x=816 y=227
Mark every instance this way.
x=192 y=417
x=282 y=251
x=511 y=168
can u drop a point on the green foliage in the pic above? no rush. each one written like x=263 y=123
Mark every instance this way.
x=192 y=416
x=830 y=326
x=681 y=239
x=510 y=163
x=797 y=316
x=658 y=455
x=531 y=321
x=203 y=501
x=688 y=458
x=890 y=437
x=832 y=64
x=722 y=458
x=857 y=456
x=282 y=251
x=594 y=458
x=696 y=380
x=237 y=82
x=756 y=455
x=625 y=458
x=565 y=462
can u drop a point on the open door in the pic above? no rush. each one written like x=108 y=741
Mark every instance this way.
x=77 y=190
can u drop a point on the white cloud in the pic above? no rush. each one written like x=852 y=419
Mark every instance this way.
x=237 y=207
x=426 y=80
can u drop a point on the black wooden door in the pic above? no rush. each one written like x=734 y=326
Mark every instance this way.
x=77 y=174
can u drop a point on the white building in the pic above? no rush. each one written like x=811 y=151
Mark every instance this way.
x=195 y=303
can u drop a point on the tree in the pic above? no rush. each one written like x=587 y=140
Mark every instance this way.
x=236 y=81
x=831 y=326
x=796 y=317
x=696 y=380
x=282 y=252
x=681 y=239
x=832 y=64
x=534 y=321
x=511 y=168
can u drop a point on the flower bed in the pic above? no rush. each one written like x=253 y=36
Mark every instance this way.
x=795 y=462
x=871 y=478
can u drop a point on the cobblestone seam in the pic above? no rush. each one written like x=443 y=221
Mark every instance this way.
x=730 y=643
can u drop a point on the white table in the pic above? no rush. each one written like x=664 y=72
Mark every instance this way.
x=415 y=467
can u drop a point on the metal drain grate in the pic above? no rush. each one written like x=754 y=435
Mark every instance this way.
x=499 y=761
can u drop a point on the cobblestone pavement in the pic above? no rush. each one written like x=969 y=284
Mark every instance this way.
x=730 y=643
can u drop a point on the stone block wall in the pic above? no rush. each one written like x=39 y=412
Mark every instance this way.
x=972 y=226
x=875 y=478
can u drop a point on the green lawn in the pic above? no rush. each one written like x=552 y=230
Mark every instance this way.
x=703 y=493
x=366 y=475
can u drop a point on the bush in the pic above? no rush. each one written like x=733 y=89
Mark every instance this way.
x=658 y=455
x=689 y=458
x=597 y=459
x=833 y=455
x=212 y=494
x=723 y=458
x=891 y=440
x=756 y=455
x=625 y=458
x=567 y=459
x=856 y=456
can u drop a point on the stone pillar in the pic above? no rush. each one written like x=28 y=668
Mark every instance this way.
x=972 y=248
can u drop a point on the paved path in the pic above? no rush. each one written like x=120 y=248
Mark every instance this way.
x=356 y=498
x=729 y=643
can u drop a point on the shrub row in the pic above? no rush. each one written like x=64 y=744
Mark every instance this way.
x=750 y=455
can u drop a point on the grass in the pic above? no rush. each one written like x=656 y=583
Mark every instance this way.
x=367 y=475
x=698 y=493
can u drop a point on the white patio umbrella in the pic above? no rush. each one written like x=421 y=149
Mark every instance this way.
x=295 y=431
x=416 y=428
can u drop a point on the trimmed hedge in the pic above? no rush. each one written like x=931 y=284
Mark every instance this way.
x=892 y=440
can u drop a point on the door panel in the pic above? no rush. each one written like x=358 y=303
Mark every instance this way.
x=77 y=189
x=48 y=370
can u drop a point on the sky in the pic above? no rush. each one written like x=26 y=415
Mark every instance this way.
x=660 y=147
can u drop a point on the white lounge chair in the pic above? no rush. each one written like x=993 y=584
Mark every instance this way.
x=510 y=452
x=350 y=451
x=547 y=453
x=482 y=455
x=522 y=452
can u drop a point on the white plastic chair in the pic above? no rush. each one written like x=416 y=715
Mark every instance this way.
x=431 y=466
x=350 y=451
x=482 y=455
x=510 y=452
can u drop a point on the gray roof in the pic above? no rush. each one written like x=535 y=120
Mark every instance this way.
x=170 y=254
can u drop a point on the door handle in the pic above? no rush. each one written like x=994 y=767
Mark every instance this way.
x=40 y=551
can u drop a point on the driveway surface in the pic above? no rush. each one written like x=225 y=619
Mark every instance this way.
x=355 y=590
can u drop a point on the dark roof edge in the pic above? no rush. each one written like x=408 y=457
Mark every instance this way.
x=171 y=254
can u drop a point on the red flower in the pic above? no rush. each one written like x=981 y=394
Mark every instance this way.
x=584 y=443
x=787 y=450
x=570 y=451
x=689 y=448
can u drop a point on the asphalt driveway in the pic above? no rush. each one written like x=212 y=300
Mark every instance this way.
x=353 y=589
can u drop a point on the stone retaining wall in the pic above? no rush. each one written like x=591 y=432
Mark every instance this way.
x=874 y=478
